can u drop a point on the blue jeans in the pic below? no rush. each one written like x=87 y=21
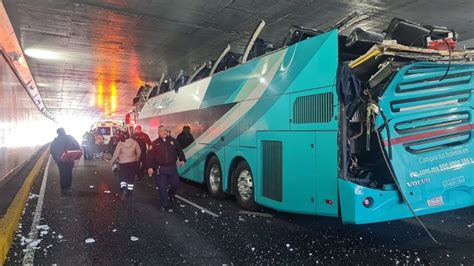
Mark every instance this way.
x=167 y=176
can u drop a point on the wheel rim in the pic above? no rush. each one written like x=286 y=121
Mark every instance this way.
x=214 y=178
x=245 y=185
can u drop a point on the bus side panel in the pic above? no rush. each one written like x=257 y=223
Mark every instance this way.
x=326 y=173
x=308 y=64
x=271 y=112
x=195 y=165
x=225 y=86
x=286 y=177
x=307 y=180
x=317 y=110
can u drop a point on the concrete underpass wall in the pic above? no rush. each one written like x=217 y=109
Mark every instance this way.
x=23 y=128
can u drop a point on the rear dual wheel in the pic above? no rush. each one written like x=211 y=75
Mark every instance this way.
x=242 y=182
x=244 y=187
x=214 y=178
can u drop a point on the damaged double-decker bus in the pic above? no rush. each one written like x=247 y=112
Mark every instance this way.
x=366 y=126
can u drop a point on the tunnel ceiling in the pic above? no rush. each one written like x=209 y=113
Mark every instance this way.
x=104 y=50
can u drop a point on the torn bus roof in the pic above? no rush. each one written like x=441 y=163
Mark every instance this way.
x=424 y=53
x=416 y=53
x=368 y=65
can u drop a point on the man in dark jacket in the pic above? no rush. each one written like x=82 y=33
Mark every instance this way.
x=185 y=138
x=59 y=145
x=163 y=157
x=144 y=141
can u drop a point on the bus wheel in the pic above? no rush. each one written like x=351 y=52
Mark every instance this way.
x=214 y=178
x=244 y=187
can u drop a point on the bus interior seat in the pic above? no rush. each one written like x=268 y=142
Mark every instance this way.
x=164 y=87
x=357 y=43
x=154 y=91
x=204 y=73
x=363 y=38
x=230 y=60
x=298 y=34
x=135 y=100
x=180 y=81
x=140 y=90
x=259 y=48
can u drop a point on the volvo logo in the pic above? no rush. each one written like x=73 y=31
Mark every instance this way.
x=416 y=183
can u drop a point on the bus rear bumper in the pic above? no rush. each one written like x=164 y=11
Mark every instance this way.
x=362 y=205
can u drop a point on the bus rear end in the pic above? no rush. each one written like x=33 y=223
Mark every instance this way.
x=422 y=152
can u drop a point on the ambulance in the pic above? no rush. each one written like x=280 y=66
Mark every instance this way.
x=107 y=129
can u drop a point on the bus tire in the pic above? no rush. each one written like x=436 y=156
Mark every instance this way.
x=213 y=177
x=243 y=187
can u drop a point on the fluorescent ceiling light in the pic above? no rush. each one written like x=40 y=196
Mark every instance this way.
x=42 y=54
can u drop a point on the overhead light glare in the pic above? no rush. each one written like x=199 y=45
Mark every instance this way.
x=42 y=54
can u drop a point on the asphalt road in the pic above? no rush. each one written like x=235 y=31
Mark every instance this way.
x=137 y=232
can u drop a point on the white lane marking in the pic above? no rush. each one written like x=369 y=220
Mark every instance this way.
x=29 y=257
x=260 y=214
x=197 y=206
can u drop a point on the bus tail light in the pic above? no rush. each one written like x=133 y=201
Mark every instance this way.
x=368 y=202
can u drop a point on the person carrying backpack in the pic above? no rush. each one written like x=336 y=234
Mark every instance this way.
x=64 y=150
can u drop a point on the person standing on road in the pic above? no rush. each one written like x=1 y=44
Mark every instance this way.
x=85 y=145
x=144 y=142
x=128 y=153
x=114 y=140
x=100 y=145
x=185 y=138
x=59 y=147
x=163 y=157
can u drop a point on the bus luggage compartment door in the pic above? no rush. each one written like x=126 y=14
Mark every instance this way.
x=429 y=145
x=297 y=172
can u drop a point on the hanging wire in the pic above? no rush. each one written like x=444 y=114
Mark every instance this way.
x=399 y=187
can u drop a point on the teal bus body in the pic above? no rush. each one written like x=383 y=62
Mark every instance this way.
x=280 y=114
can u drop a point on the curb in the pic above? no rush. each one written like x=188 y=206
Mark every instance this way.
x=9 y=222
